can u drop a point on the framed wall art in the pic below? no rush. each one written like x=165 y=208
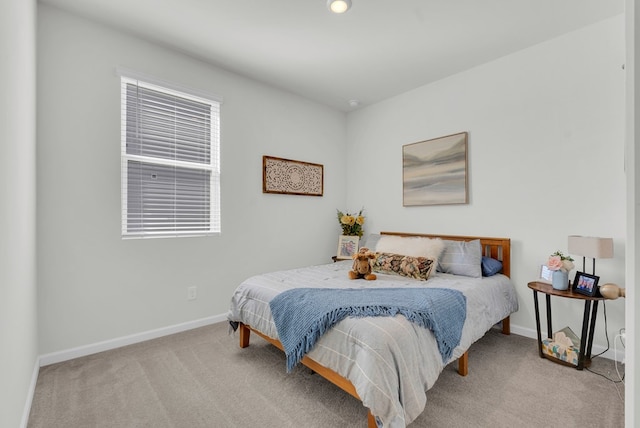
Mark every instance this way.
x=292 y=177
x=434 y=172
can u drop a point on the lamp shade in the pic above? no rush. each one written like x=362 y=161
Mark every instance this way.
x=590 y=246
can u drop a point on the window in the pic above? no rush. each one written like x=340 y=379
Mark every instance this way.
x=170 y=162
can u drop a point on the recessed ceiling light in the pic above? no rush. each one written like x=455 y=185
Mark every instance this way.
x=354 y=103
x=339 y=6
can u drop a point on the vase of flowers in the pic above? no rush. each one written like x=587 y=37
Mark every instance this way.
x=560 y=265
x=351 y=224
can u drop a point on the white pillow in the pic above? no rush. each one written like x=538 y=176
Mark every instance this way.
x=411 y=246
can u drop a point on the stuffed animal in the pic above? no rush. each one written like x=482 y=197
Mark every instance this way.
x=361 y=266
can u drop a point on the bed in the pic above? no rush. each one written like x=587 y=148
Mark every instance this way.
x=388 y=362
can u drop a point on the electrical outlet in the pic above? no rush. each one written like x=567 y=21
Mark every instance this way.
x=191 y=293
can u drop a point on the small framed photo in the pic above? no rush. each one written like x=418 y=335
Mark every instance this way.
x=585 y=284
x=347 y=246
x=546 y=274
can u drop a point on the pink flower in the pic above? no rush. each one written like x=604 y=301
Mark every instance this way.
x=555 y=263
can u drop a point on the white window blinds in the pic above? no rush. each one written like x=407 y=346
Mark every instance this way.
x=170 y=162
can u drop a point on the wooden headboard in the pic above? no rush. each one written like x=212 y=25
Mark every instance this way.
x=497 y=248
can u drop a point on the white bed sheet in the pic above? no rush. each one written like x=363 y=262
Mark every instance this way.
x=391 y=361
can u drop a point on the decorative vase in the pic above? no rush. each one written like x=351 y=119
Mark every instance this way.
x=560 y=280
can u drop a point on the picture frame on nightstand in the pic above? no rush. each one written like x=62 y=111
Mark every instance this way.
x=586 y=284
x=546 y=274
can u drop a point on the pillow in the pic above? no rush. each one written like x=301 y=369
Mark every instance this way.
x=370 y=241
x=410 y=246
x=461 y=258
x=490 y=266
x=398 y=264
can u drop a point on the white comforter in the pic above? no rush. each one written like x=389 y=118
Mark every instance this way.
x=390 y=361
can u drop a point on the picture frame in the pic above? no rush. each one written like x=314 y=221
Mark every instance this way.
x=347 y=246
x=585 y=284
x=292 y=177
x=435 y=172
x=546 y=274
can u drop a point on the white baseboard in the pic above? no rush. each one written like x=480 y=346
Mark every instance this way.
x=32 y=390
x=81 y=351
x=595 y=350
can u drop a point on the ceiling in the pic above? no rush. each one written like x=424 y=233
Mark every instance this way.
x=376 y=50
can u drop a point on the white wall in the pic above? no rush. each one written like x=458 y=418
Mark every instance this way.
x=18 y=316
x=94 y=286
x=546 y=158
x=632 y=397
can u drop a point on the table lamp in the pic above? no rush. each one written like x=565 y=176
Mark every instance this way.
x=592 y=247
x=596 y=248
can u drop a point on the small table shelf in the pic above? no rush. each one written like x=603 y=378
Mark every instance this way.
x=588 y=319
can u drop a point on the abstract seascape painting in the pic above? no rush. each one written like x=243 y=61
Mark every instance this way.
x=434 y=172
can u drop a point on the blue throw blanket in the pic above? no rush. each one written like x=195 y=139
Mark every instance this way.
x=302 y=315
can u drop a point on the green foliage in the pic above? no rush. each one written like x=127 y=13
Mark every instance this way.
x=351 y=224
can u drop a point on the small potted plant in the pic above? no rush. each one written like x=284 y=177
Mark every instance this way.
x=351 y=224
x=560 y=265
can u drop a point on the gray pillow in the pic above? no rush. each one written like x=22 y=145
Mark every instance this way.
x=370 y=241
x=461 y=258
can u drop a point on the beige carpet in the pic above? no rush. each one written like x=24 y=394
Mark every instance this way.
x=201 y=378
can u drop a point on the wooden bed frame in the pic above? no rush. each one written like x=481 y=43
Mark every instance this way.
x=497 y=248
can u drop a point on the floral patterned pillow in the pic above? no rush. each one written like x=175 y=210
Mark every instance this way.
x=412 y=267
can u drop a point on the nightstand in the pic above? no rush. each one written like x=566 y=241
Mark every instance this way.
x=588 y=320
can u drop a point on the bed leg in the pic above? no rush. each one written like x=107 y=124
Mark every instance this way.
x=463 y=364
x=371 y=420
x=245 y=333
x=506 y=326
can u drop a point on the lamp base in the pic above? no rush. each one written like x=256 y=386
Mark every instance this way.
x=612 y=291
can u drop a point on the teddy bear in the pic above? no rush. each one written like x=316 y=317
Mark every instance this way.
x=361 y=266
